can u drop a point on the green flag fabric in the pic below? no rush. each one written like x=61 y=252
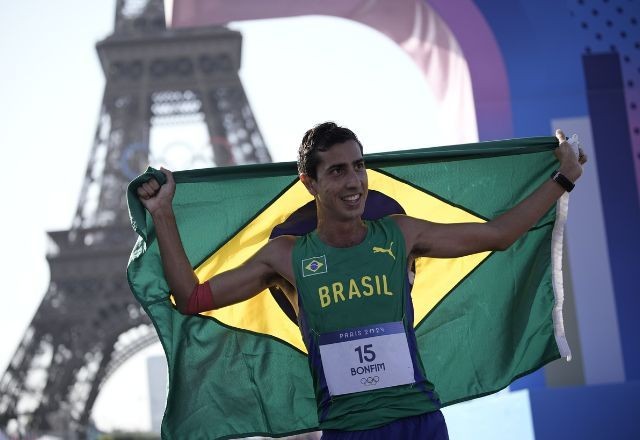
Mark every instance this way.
x=481 y=321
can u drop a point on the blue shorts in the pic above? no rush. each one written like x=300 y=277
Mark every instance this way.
x=427 y=426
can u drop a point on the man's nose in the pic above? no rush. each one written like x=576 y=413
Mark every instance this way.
x=353 y=180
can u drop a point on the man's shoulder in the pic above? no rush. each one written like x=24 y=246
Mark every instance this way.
x=406 y=225
x=281 y=245
x=277 y=255
x=403 y=219
x=398 y=220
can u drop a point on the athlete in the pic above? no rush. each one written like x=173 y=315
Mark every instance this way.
x=348 y=283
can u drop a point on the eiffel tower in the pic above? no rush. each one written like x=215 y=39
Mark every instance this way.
x=88 y=323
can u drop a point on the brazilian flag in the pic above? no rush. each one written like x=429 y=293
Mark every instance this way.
x=481 y=321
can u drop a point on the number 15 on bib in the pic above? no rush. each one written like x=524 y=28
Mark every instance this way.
x=366 y=358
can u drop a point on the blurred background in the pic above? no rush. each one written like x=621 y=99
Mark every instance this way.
x=95 y=91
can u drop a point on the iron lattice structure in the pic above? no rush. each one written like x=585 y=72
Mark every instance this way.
x=88 y=323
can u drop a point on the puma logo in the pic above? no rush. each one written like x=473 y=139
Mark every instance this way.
x=377 y=249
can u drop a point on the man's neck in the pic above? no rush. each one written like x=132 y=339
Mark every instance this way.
x=342 y=234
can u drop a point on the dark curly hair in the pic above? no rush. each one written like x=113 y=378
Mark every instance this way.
x=321 y=138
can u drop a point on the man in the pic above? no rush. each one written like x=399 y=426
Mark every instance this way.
x=359 y=313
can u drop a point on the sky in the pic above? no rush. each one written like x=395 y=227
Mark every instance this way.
x=51 y=87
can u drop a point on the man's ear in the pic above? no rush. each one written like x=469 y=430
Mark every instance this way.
x=309 y=183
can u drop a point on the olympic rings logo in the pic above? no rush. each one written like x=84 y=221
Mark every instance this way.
x=368 y=381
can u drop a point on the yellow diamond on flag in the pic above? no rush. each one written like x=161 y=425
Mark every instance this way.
x=435 y=278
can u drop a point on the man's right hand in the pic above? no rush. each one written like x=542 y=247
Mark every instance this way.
x=156 y=197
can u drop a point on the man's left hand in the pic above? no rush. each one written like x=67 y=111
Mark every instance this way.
x=570 y=164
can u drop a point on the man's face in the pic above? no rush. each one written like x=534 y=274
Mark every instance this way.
x=341 y=182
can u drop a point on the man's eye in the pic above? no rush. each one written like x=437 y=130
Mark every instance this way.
x=360 y=166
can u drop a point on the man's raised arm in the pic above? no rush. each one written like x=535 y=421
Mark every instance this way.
x=258 y=273
x=427 y=239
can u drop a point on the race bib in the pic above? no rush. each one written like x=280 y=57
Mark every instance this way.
x=366 y=358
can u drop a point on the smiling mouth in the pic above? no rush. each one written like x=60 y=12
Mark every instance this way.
x=353 y=198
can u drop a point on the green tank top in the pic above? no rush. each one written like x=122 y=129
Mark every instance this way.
x=356 y=319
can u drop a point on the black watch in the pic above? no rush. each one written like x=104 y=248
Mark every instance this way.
x=562 y=180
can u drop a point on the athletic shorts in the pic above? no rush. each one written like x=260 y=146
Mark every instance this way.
x=427 y=426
